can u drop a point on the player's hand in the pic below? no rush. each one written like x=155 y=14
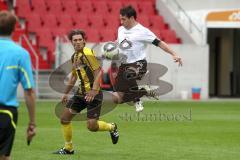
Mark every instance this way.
x=31 y=132
x=90 y=95
x=64 y=98
x=177 y=60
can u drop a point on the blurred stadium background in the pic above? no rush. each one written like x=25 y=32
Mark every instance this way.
x=206 y=34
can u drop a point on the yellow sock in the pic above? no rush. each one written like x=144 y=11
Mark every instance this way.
x=103 y=126
x=67 y=134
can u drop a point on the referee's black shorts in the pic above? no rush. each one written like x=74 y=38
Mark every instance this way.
x=126 y=80
x=8 y=122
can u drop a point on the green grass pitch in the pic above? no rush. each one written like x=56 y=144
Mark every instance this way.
x=164 y=131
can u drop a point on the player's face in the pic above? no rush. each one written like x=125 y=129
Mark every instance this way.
x=78 y=42
x=125 y=21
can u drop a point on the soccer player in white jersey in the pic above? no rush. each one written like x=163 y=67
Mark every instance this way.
x=132 y=40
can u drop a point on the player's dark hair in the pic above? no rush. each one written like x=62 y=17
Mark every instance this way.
x=128 y=11
x=7 y=23
x=76 y=32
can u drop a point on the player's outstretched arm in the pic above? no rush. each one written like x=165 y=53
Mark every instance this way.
x=167 y=49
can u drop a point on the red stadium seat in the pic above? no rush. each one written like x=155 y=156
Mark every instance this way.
x=169 y=36
x=23 y=8
x=71 y=7
x=172 y=40
x=49 y=21
x=45 y=39
x=93 y=35
x=147 y=8
x=112 y=22
x=80 y=21
x=24 y=3
x=59 y=32
x=157 y=22
x=33 y=22
x=39 y=6
x=25 y=45
x=108 y=35
x=101 y=8
x=54 y=7
x=18 y=25
x=134 y=4
x=18 y=33
x=23 y=12
x=157 y=32
x=65 y=21
x=144 y=20
x=96 y=21
x=86 y=7
x=3 y=5
x=114 y=7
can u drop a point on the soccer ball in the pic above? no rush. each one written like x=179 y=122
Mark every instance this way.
x=110 y=50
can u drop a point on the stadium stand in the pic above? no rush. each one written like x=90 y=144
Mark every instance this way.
x=33 y=22
x=114 y=7
x=147 y=8
x=48 y=19
x=101 y=8
x=39 y=7
x=81 y=21
x=54 y=7
x=3 y=5
x=144 y=20
x=86 y=7
x=93 y=35
x=96 y=21
x=65 y=21
x=108 y=35
x=23 y=8
x=112 y=22
x=157 y=22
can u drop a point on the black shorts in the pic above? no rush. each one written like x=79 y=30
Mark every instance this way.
x=127 y=77
x=7 y=128
x=78 y=103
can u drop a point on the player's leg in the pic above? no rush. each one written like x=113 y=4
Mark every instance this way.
x=126 y=79
x=96 y=125
x=134 y=72
x=117 y=97
x=66 y=124
x=141 y=67
x=93 y=122
x=71 y=109
x=126 y=85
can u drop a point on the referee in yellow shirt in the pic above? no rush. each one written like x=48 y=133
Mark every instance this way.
x=86 y=69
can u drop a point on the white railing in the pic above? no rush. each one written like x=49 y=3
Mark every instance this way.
x=58 y=50
x=186 y=21
x=36 y=68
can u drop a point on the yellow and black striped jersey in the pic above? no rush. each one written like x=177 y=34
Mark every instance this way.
x=84 y=64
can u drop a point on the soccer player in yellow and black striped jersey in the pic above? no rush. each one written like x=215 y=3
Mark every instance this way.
x=86 y=69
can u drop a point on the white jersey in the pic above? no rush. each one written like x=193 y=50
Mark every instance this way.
x=133 y=42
